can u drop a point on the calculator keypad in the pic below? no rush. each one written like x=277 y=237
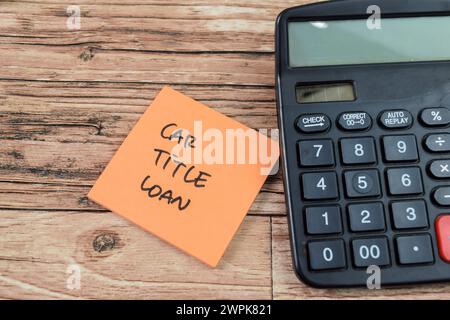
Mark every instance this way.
x=381 y=216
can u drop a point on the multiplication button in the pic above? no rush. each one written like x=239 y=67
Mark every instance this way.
x=313 y=123
x=440 y=169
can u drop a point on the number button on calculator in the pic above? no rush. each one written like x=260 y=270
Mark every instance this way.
x=327 y=254
x=367 y=252
x=358 y=151
x=366 y=216
x=400 y=148
x=320 y=185
x=404 y=181
x=409 y=214
x=316 y=153
x=362 y=183
x=323 y=220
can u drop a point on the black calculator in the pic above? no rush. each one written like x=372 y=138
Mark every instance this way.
x=363 y=98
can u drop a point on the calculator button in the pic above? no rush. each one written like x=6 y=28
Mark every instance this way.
x=320 y=185
x=415 y=249
x=316 y=153
x=438 y=142
x=323 y=220
x=358 y=151
x=396 y=119
x=443 y=236
x=400 y=148
x=362 y=183
x=366 y=216
x=367 y=252
x=409 y=214
x=442 y=196
x=435 y=117
x=440 y=169
x=327 y=254
x=352 y=121
x=313 y=123
x=404 y=181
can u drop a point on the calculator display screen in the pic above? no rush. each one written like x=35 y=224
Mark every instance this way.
x=325 y=92
x=347 y=42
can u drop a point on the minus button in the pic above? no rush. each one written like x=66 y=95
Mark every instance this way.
x=442 y=196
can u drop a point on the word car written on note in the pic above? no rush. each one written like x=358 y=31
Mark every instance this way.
x=188 y=174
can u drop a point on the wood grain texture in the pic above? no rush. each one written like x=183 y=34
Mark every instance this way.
x=68 y=98
x=38 y=247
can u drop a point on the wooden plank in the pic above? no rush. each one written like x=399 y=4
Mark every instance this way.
x=146 y=25
x=38 y=247
x=58 y=137
x=287 y=286
x=84 y=63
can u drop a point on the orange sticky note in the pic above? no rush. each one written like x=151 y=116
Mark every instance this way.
x=186 y=174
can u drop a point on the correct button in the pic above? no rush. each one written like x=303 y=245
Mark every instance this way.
x=443 y=236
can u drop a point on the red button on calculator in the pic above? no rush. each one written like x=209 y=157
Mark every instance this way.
x=443 y=236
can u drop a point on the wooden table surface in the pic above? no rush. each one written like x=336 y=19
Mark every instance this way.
x=68 y=98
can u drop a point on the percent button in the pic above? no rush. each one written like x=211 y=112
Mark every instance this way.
x=435 y=117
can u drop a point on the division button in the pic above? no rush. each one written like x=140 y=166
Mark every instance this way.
x=442 y=196
x=313 y=123
x=351 y=121
x=443 y=236
x=396 y=119
x=415 y=249
x=435 y=117
x=440 y=169
x=438 y=142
